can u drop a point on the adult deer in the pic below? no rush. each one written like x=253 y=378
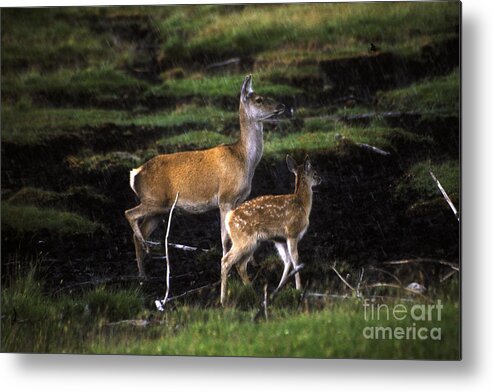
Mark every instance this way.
x=283 y=219
x=219 y=177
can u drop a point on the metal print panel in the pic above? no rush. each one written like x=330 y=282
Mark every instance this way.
x=232 y=180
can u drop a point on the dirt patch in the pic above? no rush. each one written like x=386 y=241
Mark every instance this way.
x=362 y=76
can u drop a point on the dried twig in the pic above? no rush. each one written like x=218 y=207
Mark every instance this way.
x=178 y=246
x=447 y=275
x=454 y=266
x=360 y=280
x=373 y=148
x=387 y=273
x=163 y=302
x=447 y=199
x=193 y=291
x=266 y=302
x=333 y=267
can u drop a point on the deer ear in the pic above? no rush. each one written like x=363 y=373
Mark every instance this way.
x=307 y=165
x=246 y=88
x=291 y=164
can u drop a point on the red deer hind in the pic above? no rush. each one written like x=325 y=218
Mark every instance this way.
x=219 y=177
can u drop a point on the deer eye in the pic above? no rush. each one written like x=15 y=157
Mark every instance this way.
x=259 y=100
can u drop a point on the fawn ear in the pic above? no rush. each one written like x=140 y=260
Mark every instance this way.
x=307 y=165
x=246 y=88
x=291 y=164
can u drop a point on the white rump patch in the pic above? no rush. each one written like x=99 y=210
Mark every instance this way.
x=133 y=173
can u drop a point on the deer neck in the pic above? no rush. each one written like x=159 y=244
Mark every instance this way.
x=251 y=142
x=304 y=194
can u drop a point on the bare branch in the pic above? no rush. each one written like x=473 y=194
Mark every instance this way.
x=373 y=148
x=454 y=266
x=387 y=273
x=447 y=199
x=448 y=275
x=178 y=246
x=397 y=286
x=163 y=302
x=340 y=277
x=193 y=291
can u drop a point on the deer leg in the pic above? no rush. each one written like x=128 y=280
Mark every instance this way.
x=225 y=240
x=147 y=226
x=282 y=249
x=242 y=271
x=293 y=254
x=234 y=256
x=136 y=214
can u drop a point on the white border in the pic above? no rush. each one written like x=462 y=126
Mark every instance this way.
x=81 y=373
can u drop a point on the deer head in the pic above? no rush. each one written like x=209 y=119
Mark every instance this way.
x=256 y=107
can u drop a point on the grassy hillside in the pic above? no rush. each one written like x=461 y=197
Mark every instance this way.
x=88 y=93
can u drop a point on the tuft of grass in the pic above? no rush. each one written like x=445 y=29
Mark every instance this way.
x=242 y=297
x=116 y=161
x=441 y=94
x=113 y=305
x=417 y=182
x=28 y=219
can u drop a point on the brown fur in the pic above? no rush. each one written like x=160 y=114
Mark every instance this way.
x=283 y=219
x=219 y=177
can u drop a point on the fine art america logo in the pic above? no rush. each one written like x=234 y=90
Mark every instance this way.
x=423 y=318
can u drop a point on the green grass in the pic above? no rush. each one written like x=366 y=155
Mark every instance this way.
x=73 y=199
x=30 y=125
x=218 y=87
x=28 y=219
x=417 y=182
x=207 y=33
x=97 y=85
x=26 y=32
x=33 y=322
x=320 y=135
x=436 y=95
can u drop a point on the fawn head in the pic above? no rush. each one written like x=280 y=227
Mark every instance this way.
x=304 y=172
x=255 y=106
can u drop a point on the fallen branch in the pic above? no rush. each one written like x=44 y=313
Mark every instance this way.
x=193 y=291
x=178 y=246
x=411 y=261
x=397 y=286
x=373 y=148
x=444 y=194
x=448 y=275
x=160 y=304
